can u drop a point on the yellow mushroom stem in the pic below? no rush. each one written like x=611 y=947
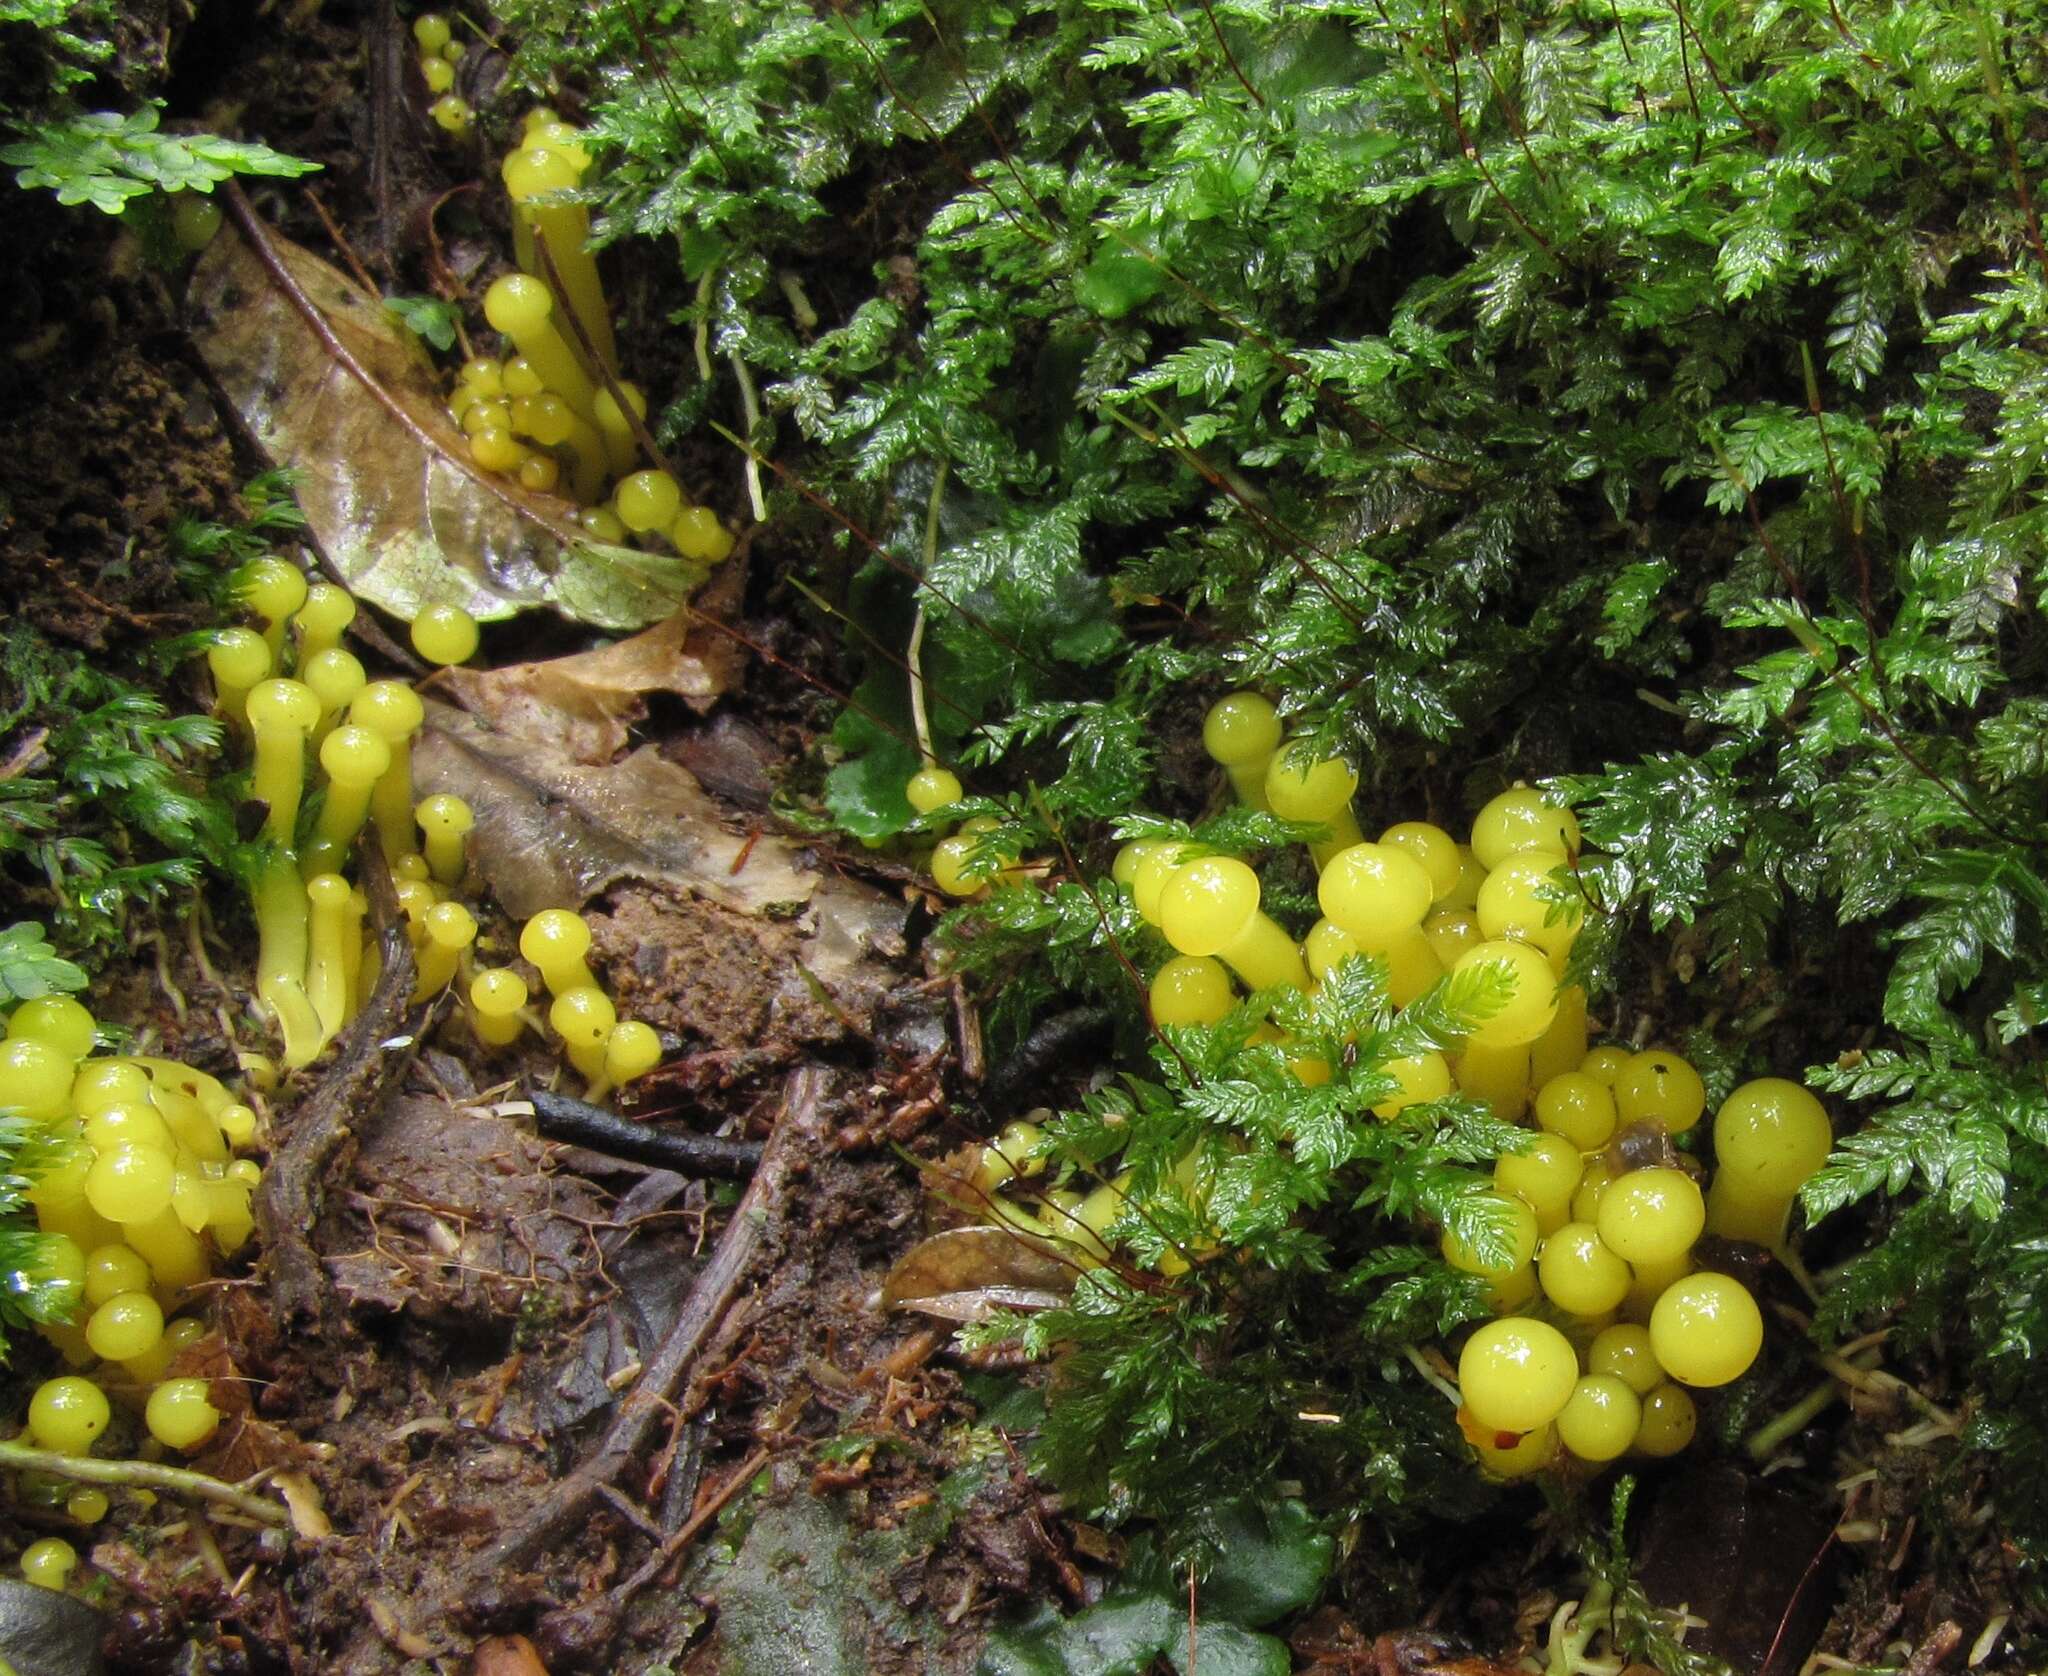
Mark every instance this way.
x=632 y=1049
x=445 y=822
x=392 y=711
x=535 y=177
x=175 y=1257
x=523 y=309
x=1497 y=1075
x=1211 y=907
x=273 y=590
x=281 y=936
x=281 y=716
x=355 y=760
x=1562 y=1047
x=352 y=951
x=332 y=927
x=621 y=441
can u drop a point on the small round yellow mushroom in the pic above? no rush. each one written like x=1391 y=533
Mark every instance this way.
x=647 y=500
x=238 y=659
x=195 y=218
x=431 y=30
x=584 y=1018
x=522 y=308
x=448 y=928
x=520 y=379
x=281 y=716
x=485 y=375
x=438 y=74
x=355 y=760
x=444 y=634
x=58 y=1020
x=542 y=473
x=697 y=534
x=553 y=422
x=273 y=590
x=336 y=676
x=495 y=448
x=556 y=941
x=451 y=112
x=444 y=822
x=496 y=997
x=631 y=1050
x=602 y=524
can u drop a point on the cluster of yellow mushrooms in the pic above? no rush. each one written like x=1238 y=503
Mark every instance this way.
x=1604 y=1322
x=440 y=52
x=554 y=415
x=316 y=967
x=141 y=1195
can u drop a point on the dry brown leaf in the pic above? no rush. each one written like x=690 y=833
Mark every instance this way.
x=552 y=832
x=507 y=1655
x=332 y=385
x=584 y=704
x=964 y=1273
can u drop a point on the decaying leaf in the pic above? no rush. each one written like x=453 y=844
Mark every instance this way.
x=964 y=1273
x=332 y=385
x=507 y=1655
x=586 y=703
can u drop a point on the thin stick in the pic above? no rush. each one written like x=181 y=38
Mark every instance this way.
x=702 y=339
x=147 y=1475
x=750 y=405
x=914 y=654
x=341 y=244
x=798 y=1138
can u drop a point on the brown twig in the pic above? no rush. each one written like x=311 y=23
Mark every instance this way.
x=343 y=248
x=322 y=1127
x=800 y=1135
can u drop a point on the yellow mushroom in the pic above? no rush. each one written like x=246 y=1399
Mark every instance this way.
x=330 y=898
x=523 y=309
x=447 y=929
x=556 y=941
x=535 y=177
x=392 y=711
x=355 y=760
x=497 y=997
x=238 y=659
x=583 y=1018
x=281 y=716
x=273 y=590
x=322 y=620
x=444 y=822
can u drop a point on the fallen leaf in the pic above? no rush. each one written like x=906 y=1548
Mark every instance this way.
x=585 y=704
x=302 y=1502
x=964 y=1273
x=551 y=832
x=330 y=384
x=507 y=1655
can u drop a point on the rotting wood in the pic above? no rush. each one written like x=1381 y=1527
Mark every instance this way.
x=798 y=1137
x=558 y=1117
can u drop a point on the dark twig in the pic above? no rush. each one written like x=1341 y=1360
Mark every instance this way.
x=800 y=1136
x=575 y=1123
x=321 y=1128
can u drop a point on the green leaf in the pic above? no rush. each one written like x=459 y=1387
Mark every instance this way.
x=30 y=967
x=1272 y=1559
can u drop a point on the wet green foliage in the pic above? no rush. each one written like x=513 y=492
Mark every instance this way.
x=1646 y=393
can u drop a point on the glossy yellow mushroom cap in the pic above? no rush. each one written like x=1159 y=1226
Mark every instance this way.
x=271 y=588
x=355 y=756
x=517 y=304
x=1207 y=904
x=412 y=868
x=444 y=634
x=536 y=171
x=1531 y=1003
x=647 y=500
x=583 y=1017
x=1191 y=989
x=1520 y=819
x=56 y=1019
x=547 y=419
x=282 y=705
x=1374 y=891
x=388 y=708
x=446 y=815
x=195 y=219
x=554 y=936
x=329 y=892
x=1299 y=790
x=1243 y=728
x=697 y=534
x=327 y=611
x=449 y=925
x=486 y=373
x=520 y=379
x=238 y=657
x=540 y=473
x=1769 y=1137
x=439 y=76
x=431 y=31
x=452 y=113
x=932 y=788
x=335 y=675
x=950 y=857
x=631 y=1050
x=603 y=524
x=497 y=992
